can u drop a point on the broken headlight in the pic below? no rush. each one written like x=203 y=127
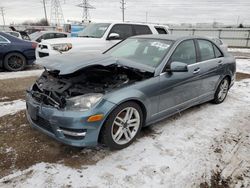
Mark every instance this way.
x=83 y=102
x=62 y=47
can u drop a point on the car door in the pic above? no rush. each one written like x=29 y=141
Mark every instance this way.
x=124 y=31
x=180 y=90
x=211 y=66
x=4 y=46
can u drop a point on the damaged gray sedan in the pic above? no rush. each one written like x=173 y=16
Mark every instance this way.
x=86 y=99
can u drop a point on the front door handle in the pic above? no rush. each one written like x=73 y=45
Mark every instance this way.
x=197 y=70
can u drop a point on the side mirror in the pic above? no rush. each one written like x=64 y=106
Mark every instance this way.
x=113 y=36
x=178 y=67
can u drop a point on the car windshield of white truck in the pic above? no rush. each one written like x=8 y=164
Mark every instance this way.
x=149 y=52
x=94 y=30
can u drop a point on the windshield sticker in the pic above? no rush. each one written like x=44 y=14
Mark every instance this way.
x=161 y=46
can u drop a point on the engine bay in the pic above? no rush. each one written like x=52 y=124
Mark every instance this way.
x=53 y=89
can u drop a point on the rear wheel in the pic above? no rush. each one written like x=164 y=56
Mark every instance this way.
x=14 y=62
x=122 y=126
x=221 y=92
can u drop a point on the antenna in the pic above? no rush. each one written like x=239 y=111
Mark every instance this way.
x=56 y=17
x=85 y=9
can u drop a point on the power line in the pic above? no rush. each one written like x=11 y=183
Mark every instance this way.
x=85 y=10
x=2 y=13
x=56 y=17
x=123 y=9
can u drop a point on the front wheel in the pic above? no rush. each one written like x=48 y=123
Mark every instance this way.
x=221 y=92
x=122 y=126
x=14 y=62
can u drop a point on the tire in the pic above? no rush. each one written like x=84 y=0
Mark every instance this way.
x=221 y=91
x=116 y=132
x=14 y=62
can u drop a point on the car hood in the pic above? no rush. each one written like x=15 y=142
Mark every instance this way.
x=70 y=63
x=72 y=40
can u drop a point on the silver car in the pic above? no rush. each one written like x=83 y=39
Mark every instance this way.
x=85 y=99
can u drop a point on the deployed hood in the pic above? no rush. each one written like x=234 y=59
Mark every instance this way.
x=70 y=63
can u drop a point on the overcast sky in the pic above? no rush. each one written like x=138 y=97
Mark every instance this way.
x=160 y=11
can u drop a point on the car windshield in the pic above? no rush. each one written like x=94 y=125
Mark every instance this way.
x=149 y=52
x=35 y=35
x=94 y=30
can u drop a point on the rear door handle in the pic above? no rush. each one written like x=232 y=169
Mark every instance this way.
x=197 y=70
x=220 y=62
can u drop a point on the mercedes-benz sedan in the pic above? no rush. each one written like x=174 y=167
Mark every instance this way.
x=84 y=99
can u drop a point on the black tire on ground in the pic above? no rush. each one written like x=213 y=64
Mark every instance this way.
x=223 y=87
x=14 y=62
x=106 y=131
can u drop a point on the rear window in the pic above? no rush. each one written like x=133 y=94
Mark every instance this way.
x=3 y=40
x=142 y=30
x=161 y=30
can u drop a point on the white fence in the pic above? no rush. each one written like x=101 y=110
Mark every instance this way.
x=234 y=37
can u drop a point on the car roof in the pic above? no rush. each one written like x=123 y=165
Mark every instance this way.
x=168 y=37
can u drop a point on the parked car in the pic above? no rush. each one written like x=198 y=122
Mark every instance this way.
x=84 y=99
x=39 y=36
x=97 y=37
x=15 y=53
x=23 y=34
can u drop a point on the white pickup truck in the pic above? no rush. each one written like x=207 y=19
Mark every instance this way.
x=97 y=37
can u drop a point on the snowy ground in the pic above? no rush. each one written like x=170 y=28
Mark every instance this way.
x=205 y=145
x=243 y=65
x=181 y=152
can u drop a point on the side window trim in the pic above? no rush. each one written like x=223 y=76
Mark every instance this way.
x=7 y=41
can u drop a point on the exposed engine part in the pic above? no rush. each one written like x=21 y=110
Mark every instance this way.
x=53 y=89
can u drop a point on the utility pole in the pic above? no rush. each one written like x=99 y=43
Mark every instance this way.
x=56 y=17
x=85 y=10
x=123 y=9
x=2 y=13
x=146 y=16
x=45 y=12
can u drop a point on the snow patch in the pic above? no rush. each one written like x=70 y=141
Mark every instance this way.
x=243 y=65
x=20 y=74
x=243 y=50
x=11 y=107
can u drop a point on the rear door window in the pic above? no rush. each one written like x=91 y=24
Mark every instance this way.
x=142 y=30
x=161 y=30
x=185 y=53
x=124 y=30
x=206 y=50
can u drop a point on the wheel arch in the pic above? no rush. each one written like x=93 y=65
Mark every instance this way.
x=137 y=101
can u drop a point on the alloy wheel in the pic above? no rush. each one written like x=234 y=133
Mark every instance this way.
x=125 y=126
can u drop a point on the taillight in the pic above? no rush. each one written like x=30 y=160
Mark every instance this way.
x=34 y=44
